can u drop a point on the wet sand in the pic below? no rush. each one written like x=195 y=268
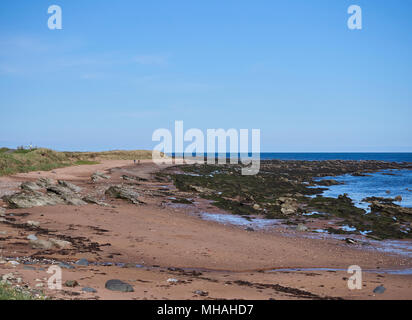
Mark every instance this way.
x=171 y=241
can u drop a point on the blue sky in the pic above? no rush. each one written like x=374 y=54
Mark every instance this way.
x=121 y=69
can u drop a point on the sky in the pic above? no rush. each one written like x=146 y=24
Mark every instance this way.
x=119 y=70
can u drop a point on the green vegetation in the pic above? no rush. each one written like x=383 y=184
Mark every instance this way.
x=285 y=190
x=85 y=162
x=40 y=159
x=9 y=293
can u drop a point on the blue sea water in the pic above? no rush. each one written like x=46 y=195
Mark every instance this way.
x=391 y=157
x=378 y=184
x=318 y=156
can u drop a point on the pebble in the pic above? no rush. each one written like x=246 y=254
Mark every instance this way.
x=301 y=227
x=33 y=223
x=65 y=265
x=379 y=290
x=71 y=283
x=118 y=285
x=88 y=289
x=82 y=262
x=172 y=280
x=32 y=237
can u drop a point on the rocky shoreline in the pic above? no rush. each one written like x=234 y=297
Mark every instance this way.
x=136 y=232
x=288 y=190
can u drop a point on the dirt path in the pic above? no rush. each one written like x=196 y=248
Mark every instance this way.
x=168 y=240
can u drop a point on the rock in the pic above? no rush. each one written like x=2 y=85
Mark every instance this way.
x=82 y=262
x=350 y=241
x=123 y=192
x=202 y=189
x=41 y=244
x=65 y=265
x=39 y=285
x=67 y=195
x=2 y=212
x=328 y=182
x=8 y=276
x=201 y=293
x=172 y=280
x=88 y=289
x=256 y=206
x=30 y=186
x=3 y=233
x=379 y=290
x=60 y=243
x=90 y=199
x=398 y=198
x=29 y=199
x=288 y=205
x=69 y=186
x=118 y=285
x=249 y=229
x=97 y=176
x=71 y=283
x=301 y=227
x=132 y=178
x=32 y=237
x=45 y=182
x=32 y=223
x=390 y=209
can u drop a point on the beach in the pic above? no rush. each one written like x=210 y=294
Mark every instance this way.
x=165 y=249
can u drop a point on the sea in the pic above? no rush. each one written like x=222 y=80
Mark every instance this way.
x=385 y=183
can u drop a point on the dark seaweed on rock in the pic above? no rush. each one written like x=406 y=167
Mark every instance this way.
x=284 y=189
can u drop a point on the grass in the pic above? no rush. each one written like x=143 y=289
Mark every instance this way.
x=85 y=162
x=9 y=293
x=40 y=159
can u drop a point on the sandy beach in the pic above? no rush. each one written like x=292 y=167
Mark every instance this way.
x=166 y=250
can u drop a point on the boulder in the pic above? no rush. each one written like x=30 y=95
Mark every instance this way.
x=288 y=205
x=41 y=244
x=69 y=186
x=45 y=182
x=67 y=195
x=118 y=285
x=29 y=199
x=30 y=186
x=62 y=244
x=32 y=223
x=97 y=176
x=123 y=192
x=90 y=199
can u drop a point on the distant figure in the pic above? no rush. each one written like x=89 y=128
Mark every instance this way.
x=134 y=161
x=138 y=161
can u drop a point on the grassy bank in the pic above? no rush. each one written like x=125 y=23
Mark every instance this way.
x=9 y=293
x=24 y=160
